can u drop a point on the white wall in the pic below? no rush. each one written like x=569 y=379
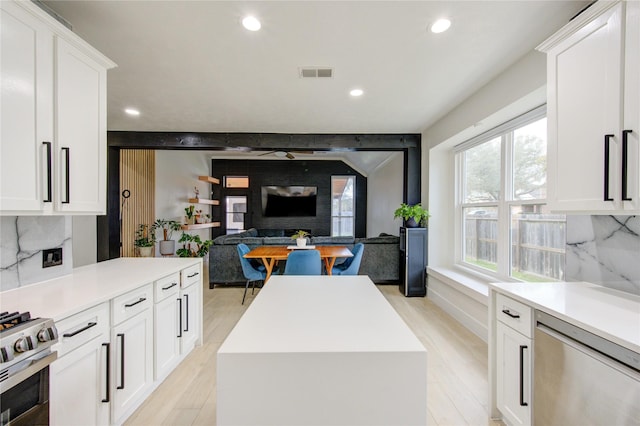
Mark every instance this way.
x=176 y=176
x=384 y=195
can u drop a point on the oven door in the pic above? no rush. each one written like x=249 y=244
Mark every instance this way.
x=25 y=395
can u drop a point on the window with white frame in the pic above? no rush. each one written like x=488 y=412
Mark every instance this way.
x=504 y=226
x=343 y=205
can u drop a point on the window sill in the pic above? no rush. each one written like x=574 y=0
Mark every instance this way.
x=471 y=284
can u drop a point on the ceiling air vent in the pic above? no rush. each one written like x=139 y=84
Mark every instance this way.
x=316 y=72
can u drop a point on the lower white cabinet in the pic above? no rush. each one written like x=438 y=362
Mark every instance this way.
x=189 y=302
x=513 y=396
x=79 y=378
x=166 y=325
x=132 y=342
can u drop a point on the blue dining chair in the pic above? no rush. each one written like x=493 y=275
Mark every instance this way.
x=351 y=266
x=303 y=262
x=252 y=271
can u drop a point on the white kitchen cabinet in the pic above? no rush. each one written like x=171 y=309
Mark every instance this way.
x=53 y=116
x=166 y=325
x=132 y=342
x=79 y=378
x=592 y=106
x=190 y=307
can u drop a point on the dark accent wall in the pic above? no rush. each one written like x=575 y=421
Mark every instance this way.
x=285 y=173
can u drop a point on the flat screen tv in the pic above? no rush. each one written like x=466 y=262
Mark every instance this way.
x=284 y=201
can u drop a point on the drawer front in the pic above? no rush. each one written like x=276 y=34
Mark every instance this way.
x=132 y=303
x=81 y=328
x=167 y=286
x=514 y=314
x=191 y=275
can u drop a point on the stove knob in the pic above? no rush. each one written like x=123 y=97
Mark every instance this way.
x=47 y=334
x=24 y=344
x=6 y=354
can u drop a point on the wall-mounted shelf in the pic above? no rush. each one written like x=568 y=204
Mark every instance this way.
x=209 y=179
x=201 y=226
x=204 y=201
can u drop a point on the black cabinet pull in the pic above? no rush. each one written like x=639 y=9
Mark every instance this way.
x=85 y=328
x=49 y=170
x=625 y=161
x=66 y=174
x=121 y=336
x=522 y=403
x=508 y=312
x=193 y=275
x=186 y=317
x=171 y=286
x=607 y=140
x=180 y=317
x=142 y=299
x=108 y=384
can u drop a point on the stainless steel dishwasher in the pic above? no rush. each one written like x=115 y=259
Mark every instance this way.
x=582 y=379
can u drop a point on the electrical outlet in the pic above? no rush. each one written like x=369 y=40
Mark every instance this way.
x=51 y=257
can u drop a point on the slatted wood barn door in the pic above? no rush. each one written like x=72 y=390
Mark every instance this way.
x=138 y=175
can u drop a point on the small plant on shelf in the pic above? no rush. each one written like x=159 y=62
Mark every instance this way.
x=193 y=246
x=188 y=211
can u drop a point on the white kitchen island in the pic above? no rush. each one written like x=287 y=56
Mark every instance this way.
x=321 y=350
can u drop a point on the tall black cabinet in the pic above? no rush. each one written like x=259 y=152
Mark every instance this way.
x=413 y=261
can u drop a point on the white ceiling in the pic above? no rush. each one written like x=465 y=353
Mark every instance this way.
x=191 y=66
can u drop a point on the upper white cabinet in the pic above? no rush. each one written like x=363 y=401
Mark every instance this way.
x=593 y=93
x=53 y=112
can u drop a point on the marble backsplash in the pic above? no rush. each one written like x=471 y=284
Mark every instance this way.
x=604 y=250
x=22 y=240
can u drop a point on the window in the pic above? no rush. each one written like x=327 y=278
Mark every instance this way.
x=504 y=224
x=235 y=208
x=236 y=181
x=343 y=205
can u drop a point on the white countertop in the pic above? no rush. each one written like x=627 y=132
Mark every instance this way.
x=608 y=313
x=89 y=285
x=320 y=314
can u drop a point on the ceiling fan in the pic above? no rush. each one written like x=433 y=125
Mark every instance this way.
x=288 y=154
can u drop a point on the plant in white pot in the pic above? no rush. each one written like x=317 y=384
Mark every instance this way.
x=300 y=237
x=144 y=241
x=167 y=245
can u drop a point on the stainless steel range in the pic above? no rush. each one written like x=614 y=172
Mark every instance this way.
x=25 y=355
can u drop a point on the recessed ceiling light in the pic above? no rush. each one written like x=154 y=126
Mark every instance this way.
x=440 y=26
x=251 y=23
x=132 y=111
x=356 y=92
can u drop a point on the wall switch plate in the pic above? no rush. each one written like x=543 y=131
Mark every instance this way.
x=51 y=257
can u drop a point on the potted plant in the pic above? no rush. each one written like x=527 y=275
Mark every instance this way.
x=167 y=245
x=301 y=238
x=193 y=246
x=144 y=241
x=189 y=215
x=414 y=216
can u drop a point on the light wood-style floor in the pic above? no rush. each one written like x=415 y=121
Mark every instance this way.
x=457 y=389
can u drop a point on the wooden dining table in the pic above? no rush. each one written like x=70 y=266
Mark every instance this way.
x=270 y=255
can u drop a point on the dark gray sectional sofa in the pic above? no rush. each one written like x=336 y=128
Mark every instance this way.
x=380 y=259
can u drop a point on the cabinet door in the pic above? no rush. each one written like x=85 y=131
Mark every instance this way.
x=167 y=344
x=26 y=67
x=80 y=131
x=514 y=375
x=584 y=105
x=631 y=125
x=78 y=382
x=190 y=317
x=132 y=342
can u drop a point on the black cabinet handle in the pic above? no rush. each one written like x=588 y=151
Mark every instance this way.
x=142 y=299
x=171 y=286
x=522 y=403
x=108 y=384
x=121 y=336
x=508 y=312
x=180 y=317
x=193 y=275
x=625 y=161
x=85 y=328
x=186 y=317
x=607 y=141
x=66 y=174
x=49 y=170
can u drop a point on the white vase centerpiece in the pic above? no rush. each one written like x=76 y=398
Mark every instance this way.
x=301 y=238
